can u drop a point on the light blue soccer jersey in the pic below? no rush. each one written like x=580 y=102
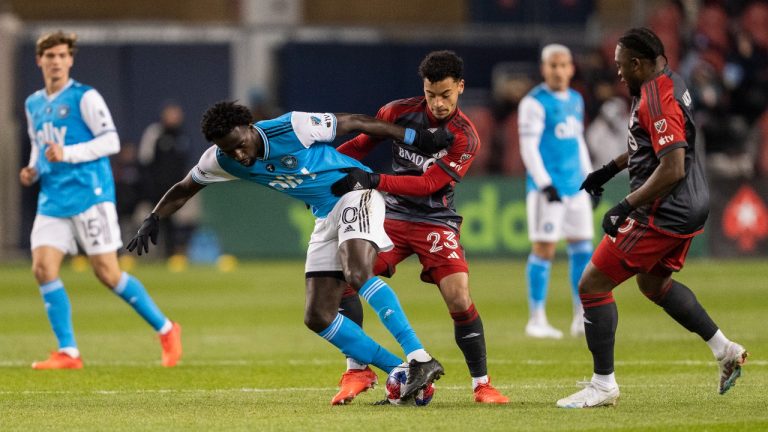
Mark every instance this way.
x=75 y=115
x=296 y=160
x=558 y=120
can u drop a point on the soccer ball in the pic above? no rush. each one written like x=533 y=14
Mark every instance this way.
x=396 y=380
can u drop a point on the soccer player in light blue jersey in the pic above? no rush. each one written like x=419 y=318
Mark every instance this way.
x=291 y=154
x=72 y=136
x=551 y=124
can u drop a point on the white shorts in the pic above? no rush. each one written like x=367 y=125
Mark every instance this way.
x=552 y=221
x=357 y=215
x=96 y=230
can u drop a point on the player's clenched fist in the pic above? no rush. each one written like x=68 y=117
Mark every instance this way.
x=27 y=176
x=596 y=179
x=357 y=179
x=54 y=152
x=429 y=140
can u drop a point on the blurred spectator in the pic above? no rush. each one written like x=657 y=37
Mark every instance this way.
x=607 y=134
x=125 y=168
x=163 y=155
x=511 y=82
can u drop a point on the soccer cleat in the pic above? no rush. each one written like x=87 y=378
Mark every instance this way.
x=591 y=396
x=59 y=360
x=352 y=383
x=577 y=326
x=420 y=374
x=730 y=366
x=542 y=331
x=171 y=343
x=486 y=393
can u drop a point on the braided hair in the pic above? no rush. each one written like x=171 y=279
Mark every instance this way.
x=644 y=43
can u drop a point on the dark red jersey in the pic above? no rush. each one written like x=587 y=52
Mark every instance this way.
x=661 y=121
x=426 y=194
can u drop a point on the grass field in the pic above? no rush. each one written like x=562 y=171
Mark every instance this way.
x=250 y=364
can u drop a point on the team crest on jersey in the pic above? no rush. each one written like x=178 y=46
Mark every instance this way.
x=289 y=162
x=270 y=168
x=661 y=126
x=315 y=121
x=464 y=157
x=62 y=111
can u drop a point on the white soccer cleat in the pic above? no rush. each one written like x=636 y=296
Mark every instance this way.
x=541 y=330
x=577 y=326
x=591 y=396
x=730 y=366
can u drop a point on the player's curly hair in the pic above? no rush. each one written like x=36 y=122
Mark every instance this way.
x=439 y=65
x=50 y=40
x=222 y=117
x=643 y=42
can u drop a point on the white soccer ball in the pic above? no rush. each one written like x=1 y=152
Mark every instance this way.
x=396 y=381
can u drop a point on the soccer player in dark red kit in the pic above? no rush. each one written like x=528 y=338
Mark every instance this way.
x=649 y=232
x=421 y=216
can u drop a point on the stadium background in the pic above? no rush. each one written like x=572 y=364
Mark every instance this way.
x=350 y=56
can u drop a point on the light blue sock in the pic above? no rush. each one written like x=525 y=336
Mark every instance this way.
x=132 y=291
x=59 y=312
x=384 y=301
x=579 y=254
x=537 y=272
x=347 y=336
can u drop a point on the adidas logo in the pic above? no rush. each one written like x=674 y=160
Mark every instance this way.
x=357 y=186
x=614 y=219
x=348 y=229
x=453 y=255
x=387 y=314
x=471 y=335
x=586 y=321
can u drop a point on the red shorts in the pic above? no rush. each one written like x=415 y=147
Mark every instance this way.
x=437 y=246
x=640 y=249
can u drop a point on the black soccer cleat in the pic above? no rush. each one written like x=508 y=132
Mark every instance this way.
x=420 y=375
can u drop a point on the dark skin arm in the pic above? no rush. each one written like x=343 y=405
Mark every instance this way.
x=622 y=161
x=360 y=123
x=177 y=196
x=670 y=171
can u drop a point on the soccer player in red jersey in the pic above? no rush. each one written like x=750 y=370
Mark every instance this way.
x=649 y=232
x=421 y=217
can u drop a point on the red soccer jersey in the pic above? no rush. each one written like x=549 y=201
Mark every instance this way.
x=661 y=121
x=426 y=193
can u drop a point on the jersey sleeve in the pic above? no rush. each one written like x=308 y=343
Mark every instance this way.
x=530 y=121
x=461 y=154
x=313 y=127
x=105 y=141
x=208 y=171
x=96 y=114
x=662 y=117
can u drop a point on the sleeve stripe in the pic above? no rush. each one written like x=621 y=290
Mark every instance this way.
x=277 y=130
x=652 y=93
x=448 y=170
x=472 y=139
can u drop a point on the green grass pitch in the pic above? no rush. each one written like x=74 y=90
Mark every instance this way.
x=250 y=364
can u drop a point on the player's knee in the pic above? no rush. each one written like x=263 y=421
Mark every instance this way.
x=459 y=302
x=44 y=273
x=316 y=320
x=357 y=277
x=107 y=275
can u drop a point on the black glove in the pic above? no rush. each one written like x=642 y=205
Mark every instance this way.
x=551 y=193
x=432 y=140
x=596 y=179
x=357 y=179
x=595 y=200
x=615 y=217
x=148 y=231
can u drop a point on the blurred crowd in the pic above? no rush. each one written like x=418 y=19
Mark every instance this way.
x=720 y=48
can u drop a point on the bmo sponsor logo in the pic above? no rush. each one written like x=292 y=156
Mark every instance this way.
x=666 y=139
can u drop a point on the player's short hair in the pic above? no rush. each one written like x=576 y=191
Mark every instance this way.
x=439 y=65
x=50 y=40
x=643 y=42
x=553 y=49
x=219 y=120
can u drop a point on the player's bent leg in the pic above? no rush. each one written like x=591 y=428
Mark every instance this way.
x=537 y=273
x=579 y=253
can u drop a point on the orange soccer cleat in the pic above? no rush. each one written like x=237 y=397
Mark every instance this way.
x=486 y=393
x=59 y=360
x=171 y=343
x=352 y=383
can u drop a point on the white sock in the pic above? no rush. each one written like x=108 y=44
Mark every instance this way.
x=476 y=381
x=353 y=364
x=70 y=351
x=718 y=344
x=605 y=381
x=420 y=355
x=578 y=312
x=538 y=315
x=166 y=327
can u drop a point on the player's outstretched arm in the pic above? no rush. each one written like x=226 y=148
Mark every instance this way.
x=174 y=199
x=426 y=140
x=595 y=180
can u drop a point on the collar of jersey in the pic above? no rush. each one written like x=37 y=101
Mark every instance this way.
x=265 y=140
x=55 y=95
